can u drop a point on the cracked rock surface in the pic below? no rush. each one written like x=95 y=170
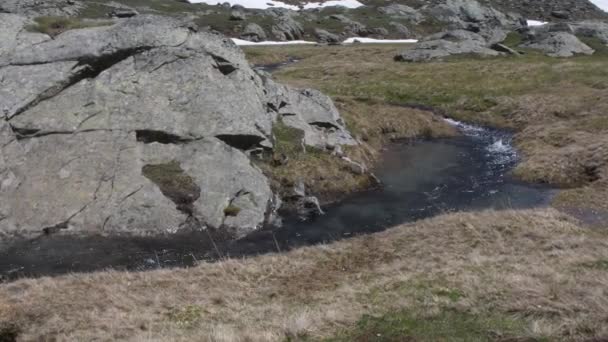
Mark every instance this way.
x=141 y=127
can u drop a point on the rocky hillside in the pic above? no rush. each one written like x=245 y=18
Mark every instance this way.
x=377 y=19
x=144 y=126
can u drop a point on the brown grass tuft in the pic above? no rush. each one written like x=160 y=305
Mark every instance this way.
x=524 y=263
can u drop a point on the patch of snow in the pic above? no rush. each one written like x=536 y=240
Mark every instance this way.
x=342 y=3
x=536 y=23
x=602 y=4
x=264 y=4
x=378 y=41
x=241 y=42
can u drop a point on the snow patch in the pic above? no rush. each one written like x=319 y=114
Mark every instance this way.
x=241 y=42
x=536 y=23
x=377 y=41
x=264 y=4
x=342 y=3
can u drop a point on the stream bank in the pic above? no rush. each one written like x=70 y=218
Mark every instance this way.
x=420 y=179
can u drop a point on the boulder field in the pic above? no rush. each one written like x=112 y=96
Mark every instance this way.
x=146 y=126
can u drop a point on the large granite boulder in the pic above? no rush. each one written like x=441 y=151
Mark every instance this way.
x=559 y=44
x=253 y=32
x=141 y=127
x=470 y=15
x=445 y=44
x=286 y=27
x=326 y=37
x=402 y=12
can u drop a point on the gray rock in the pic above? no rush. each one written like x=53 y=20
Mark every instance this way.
x=310 y=111
x=327 y=37
x=435 y=49
x=140 y=128
x=123 y=13
x=592 y=29
x=401 y=29
x=379 y=31
x=37 y=8
x=559 y=44
x=560 y=14
x=355 y=167
x=402 y=11
x=287 y=28
x=308 y=207
x=503 y=48
x=253 y=32
x=352 y=27
x=237 y=15
x=473 y=16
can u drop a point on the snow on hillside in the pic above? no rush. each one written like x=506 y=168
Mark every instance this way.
x=241 y=42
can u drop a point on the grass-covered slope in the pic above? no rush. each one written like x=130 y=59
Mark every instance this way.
x=556 y=106
x=528 y=275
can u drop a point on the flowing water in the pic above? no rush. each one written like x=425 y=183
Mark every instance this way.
x=420 y=179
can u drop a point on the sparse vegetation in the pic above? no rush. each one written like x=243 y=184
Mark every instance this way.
x=173 y=182
x=445 y=325
x=555 y=105
x=185 y=317
x=232 y=210
x=54 y=26
x=478 y=276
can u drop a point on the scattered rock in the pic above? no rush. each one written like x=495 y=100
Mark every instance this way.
x=253 y=32
x=402 y=12
x=503 y=48
x=38 y=8
x=401 y=29
x=379 y=31
x=287 y=28
x=560 y=14
x=123 y=13
x=237 y=15
x=559 y=44
x=446 y=44
x=326 y=37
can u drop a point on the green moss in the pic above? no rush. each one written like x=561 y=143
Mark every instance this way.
x=186 y=317
x=173 y=182
x=54 y=26
x=232 y=210
x=447 y=325
x=601 y=264
x=287 y=140
x=601 y=49
x=513 y=39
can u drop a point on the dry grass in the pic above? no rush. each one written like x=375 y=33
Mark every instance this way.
x=556 y=106
x=533 y=266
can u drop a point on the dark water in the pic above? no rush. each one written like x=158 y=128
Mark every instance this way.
x=420 y=180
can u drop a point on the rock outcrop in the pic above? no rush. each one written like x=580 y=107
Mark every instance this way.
x=559 y=44
x=286 y=27
x=327 y=37
x=141 y=127
x=37 y=8
x=446 y=44
x=253 y=32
